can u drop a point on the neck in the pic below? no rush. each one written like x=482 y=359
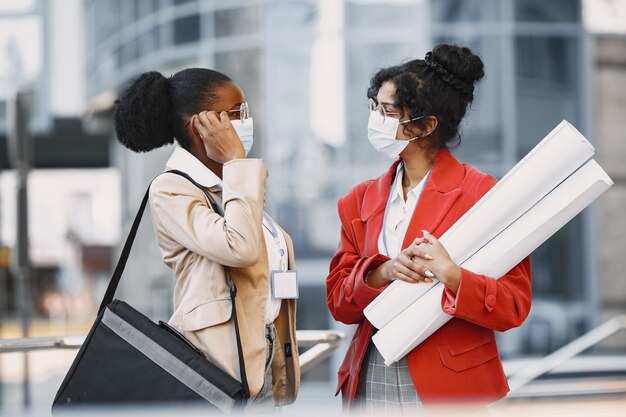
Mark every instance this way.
x=200 y=153
x=417 y=163
x=216 y=167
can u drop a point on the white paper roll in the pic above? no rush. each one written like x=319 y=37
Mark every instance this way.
x=554 y=159
x=424 y=316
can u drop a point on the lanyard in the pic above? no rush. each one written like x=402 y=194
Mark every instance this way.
x=393 y=187
x=269 y=225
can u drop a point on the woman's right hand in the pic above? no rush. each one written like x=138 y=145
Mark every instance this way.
x=220 y=139
x=403 y=267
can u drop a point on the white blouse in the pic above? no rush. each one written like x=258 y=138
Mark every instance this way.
x=398 y=214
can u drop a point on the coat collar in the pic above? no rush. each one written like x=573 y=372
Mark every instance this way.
x=446 y=175
x=441 y=190
x=183 y=160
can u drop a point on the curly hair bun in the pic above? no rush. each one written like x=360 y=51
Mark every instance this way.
x=142 y=114
x=460 y=62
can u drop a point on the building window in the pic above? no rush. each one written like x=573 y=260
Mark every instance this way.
x=544 y=59
x=546 y=78
x=235 y=22
x=547 y=11
x=465 y=10
x=128 y=52
x=187 y=29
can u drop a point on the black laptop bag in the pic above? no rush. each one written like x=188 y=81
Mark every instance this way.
x=128 y=359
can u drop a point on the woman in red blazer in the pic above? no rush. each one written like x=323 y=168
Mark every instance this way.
x=389 y=231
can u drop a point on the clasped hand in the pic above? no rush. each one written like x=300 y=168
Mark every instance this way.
x=422 y=261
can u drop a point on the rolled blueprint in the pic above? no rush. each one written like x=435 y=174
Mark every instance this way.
x=423 y=317
x=554 y=159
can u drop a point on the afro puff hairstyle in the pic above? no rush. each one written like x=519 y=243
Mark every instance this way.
x=153 y=110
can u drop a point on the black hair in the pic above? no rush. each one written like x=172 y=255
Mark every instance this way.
x=440 y=85
x=153 y=110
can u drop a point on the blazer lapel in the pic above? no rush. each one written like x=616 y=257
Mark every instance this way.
x=440 y=192
x=373 y=208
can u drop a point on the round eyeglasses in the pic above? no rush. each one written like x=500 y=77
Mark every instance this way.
x=373 y=106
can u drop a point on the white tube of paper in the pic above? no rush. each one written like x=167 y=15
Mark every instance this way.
x=422 y=318
x=554 y=159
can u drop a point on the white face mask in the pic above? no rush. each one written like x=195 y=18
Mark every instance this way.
x=381 y=131
x=245 y=132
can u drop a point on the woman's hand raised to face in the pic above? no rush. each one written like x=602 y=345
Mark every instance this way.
x=218 y=134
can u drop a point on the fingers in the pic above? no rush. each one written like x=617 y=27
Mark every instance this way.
x=429 y=274
x=430 y=238
x=202 y=124
x=403 y=273
x=218 y=135
x=224 y=119
x=412 y=269
x=207 y=123
x=424 y=272
x=415 y=250
x=203 y=119
x=404 y=266
x=213 y=118
x=208 y=119
x=401 y=277
x=199 y=127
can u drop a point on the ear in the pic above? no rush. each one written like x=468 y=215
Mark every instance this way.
x=420 y=128
x=191 y=130
x=429 y=124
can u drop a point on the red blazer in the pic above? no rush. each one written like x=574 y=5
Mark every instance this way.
x=459 y=362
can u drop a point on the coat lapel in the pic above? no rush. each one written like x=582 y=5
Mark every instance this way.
x=440 y=192
x=373 y=208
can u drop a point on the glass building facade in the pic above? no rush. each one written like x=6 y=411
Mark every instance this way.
x=24 y=62
x=305 y=66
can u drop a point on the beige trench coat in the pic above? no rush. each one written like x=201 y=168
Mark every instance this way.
x=197 y=243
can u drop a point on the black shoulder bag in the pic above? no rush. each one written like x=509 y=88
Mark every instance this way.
x=128 y=359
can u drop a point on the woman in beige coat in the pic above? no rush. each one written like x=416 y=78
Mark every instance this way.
x=206 y=113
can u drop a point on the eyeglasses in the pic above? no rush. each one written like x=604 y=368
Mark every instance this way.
x=242 y=113
x=373 y=106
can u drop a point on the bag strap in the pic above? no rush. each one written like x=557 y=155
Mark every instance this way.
x=242 y=364
x=121 y=264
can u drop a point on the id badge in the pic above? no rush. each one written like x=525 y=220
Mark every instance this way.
x=285 y=285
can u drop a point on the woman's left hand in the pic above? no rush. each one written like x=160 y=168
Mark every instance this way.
x=442 y=266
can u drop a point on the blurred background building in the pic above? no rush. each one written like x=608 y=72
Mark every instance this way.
x=304 y=66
